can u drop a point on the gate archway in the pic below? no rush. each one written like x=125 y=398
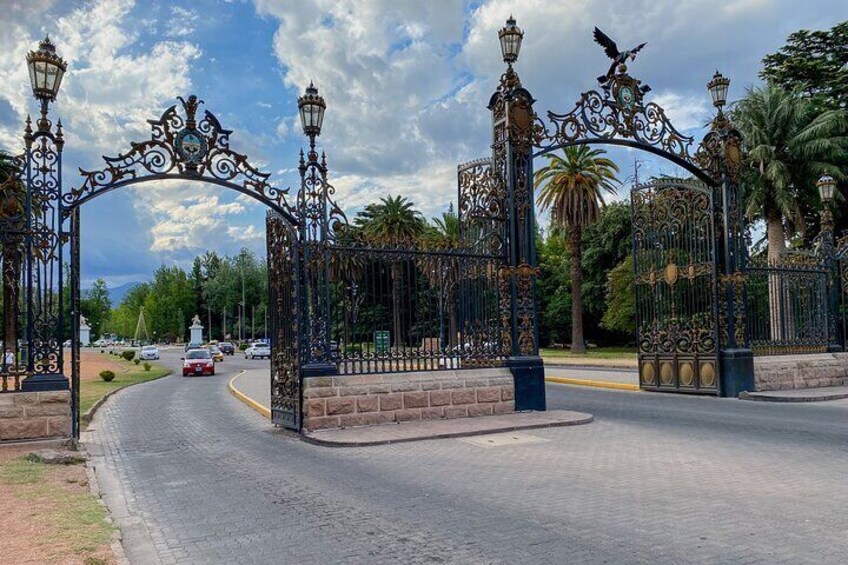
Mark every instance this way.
x=183 y=147
x=704 y=247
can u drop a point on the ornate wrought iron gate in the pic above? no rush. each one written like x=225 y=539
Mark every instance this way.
x=675 y=267
x=283 y=290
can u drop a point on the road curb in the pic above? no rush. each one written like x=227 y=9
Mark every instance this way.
x=758 y=397
x=583 y=419
x=589 y=382
x=246 y=399
x=86 y=418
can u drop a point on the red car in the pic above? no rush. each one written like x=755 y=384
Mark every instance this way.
x=198 y=362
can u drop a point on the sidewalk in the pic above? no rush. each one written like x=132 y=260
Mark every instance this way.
x=798 y=395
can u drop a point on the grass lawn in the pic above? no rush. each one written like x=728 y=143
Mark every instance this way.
x=93 y=389
x=620 y=356
x=49 y=514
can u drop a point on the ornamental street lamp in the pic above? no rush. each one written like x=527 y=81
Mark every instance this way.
x=46 y=69
x=311 y=106
x=718 y=90
x=510 y=37
x=827 y=188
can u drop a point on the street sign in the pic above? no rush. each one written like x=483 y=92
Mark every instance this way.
x=381 y=341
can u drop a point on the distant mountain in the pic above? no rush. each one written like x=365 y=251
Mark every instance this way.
x=116 y=295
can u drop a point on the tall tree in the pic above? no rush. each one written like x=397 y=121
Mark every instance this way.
x=572 y=187
x=789 y=143
x=96 y=306
x=816 y=62
x=392 y=222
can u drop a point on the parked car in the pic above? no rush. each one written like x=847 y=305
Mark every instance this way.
x=149 y=353
x=227 y=348
x=198 y=362
x=189 y=346
x=217 y=354
x=102 y=342
x=257 y=350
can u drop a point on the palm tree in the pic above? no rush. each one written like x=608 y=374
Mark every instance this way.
x=572 y=187
x=789 y=143
x=12 y=204
x=392 y=222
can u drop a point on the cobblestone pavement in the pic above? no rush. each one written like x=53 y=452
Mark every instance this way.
x=656 y=479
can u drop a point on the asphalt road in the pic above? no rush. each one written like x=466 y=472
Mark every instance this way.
x=194 y=476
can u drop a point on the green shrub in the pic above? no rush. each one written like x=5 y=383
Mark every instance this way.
x=128 y=355
x=354 y=348
x=243 y=346
x=107 y=375
x=136 y=361
x=147 y=366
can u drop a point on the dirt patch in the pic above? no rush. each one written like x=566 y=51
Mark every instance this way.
x=49 y=515
x=92 y=362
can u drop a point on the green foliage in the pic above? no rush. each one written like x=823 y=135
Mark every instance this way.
x=815 y=61
x=621 y=299
x=96 y=306
x=243 y=346
x=212 y=289
x=136 y=361
x=788 y=144
x=392 y=221
x=128 y=354
x=147 y=366
x=107 y=376
x=554 y=290
x=606 y=243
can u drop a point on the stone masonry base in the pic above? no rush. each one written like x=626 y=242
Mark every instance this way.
x=789 y=372
x=362 y=400
x=35 y=415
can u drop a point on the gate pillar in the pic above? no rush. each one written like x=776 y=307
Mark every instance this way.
x=512 y=158
x=721 y=155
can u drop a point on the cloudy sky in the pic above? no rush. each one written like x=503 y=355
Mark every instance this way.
x=406 y=84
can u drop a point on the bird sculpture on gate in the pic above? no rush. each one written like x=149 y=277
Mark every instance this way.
x=611 y=49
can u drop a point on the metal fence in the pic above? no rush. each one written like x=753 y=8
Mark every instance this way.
x=788 y=305
x=412 y=309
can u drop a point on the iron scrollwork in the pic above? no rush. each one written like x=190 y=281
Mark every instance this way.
x=182 y=147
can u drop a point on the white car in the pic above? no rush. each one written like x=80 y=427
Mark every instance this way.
x=259 y=350
x=102 y=343
x=149 y=353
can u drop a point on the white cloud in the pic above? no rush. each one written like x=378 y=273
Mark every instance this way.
x=247 y=234
x=184 y=215
x=182 y=22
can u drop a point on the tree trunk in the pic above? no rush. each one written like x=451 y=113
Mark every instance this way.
x=776 y=249
x=578 y=344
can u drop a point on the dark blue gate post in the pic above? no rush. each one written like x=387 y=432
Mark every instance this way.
x=512 y=158
x=721 y=155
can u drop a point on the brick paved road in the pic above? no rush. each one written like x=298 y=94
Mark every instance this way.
x=656 y=479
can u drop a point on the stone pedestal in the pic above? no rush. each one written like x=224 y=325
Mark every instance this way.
x=84 y=334
x=196 y=330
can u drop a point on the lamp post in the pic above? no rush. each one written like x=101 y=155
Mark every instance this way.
x=314 y=233
x=43 y=195
x=827 y=189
